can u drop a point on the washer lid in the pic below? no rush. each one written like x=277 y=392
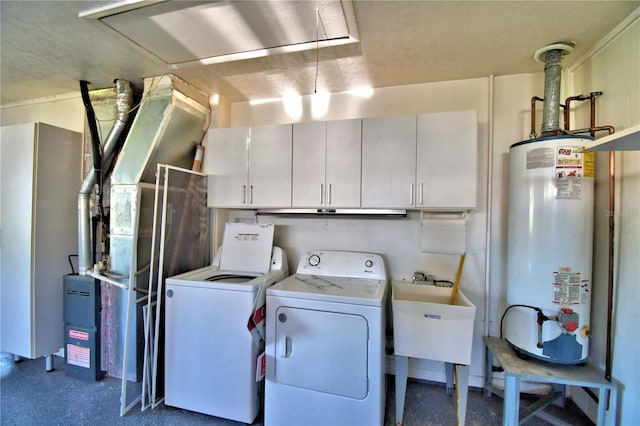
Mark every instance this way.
x=247 y=247
x=359 y=291
x=212 y=277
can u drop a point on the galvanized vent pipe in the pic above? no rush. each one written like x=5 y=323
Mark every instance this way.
x=551 y=56
x=124 y=100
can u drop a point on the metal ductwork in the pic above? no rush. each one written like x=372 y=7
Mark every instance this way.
x=551 y=56
x=124 y=100
x=170 y=122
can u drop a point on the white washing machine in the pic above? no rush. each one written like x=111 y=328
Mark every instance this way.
x=325 y=342
x=214 y=330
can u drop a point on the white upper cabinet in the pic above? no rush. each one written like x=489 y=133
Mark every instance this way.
x=326 y=164
x=309 y=159
x=425 y=162
x=447 y=166
x=227 y=166
x=269 y=182
x=249 y=167
x=389 y=162
x=344 y=163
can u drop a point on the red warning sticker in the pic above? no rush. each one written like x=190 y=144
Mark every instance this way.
x=80 y=335
x=77 y=355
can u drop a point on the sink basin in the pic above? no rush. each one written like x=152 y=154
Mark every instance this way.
x=426 y=326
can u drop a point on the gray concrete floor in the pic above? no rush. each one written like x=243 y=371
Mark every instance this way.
x=32 y=396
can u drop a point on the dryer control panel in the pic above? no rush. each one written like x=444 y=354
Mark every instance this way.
x=342 y=264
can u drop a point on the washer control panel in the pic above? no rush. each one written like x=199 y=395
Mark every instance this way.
x=343 y=264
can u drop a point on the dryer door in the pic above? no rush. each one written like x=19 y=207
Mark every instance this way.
x=322 y=351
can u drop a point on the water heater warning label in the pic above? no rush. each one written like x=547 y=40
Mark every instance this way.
x=569 y=172
x=540 y=158
x=589 y=164
x=569 y=288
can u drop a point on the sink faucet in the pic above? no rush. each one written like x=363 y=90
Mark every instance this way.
x=418 y=276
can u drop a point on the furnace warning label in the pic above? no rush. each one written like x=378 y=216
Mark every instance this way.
x=570 y=289
x=80 y=335
x=77 y=355
x=540 y=158
x=569 y=172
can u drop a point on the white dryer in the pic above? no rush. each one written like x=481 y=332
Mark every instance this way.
x=213 y=330
x=325 y=342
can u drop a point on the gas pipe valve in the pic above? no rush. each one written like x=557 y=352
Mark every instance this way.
x=568 y=320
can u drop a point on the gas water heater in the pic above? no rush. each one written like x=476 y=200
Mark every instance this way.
x=550 y=248
x=550 y=230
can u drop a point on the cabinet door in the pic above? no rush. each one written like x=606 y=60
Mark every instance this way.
x=344 y=163
x=270 y=166
x=226 y=165
x=40 y=168
x=17 y=148
x=447 y=160
x=309 y=155
x=389 y=162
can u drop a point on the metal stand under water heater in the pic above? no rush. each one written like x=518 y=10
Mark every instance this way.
x=551 y=203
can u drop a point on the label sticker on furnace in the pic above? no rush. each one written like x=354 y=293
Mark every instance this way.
x=78 y=355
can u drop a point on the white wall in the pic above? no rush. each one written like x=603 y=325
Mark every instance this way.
x=613 y=67
x=66 y=111
x=386 y=102
x=512 y=123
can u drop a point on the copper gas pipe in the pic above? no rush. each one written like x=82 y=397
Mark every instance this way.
x=592 y=98
x=611 y=215
x=612 y=169
x=567 y=110
x=533 y=134
x=610 y=129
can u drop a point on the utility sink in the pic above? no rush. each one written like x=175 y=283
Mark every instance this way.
x=426 y=326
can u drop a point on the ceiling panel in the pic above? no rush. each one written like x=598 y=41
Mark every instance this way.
x=195 y=32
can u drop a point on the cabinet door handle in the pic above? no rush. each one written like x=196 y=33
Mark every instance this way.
x=250 y=194
x=410 y=194
x=421 y=193
x=244 y=194
x=329 y=202
x=321 y=193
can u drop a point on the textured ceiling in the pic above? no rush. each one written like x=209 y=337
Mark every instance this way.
x=45 y=48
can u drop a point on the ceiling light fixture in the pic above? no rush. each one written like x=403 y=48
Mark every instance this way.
x=361 y=92
x=292 y=103
x=320 y=104
x=262 y=101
